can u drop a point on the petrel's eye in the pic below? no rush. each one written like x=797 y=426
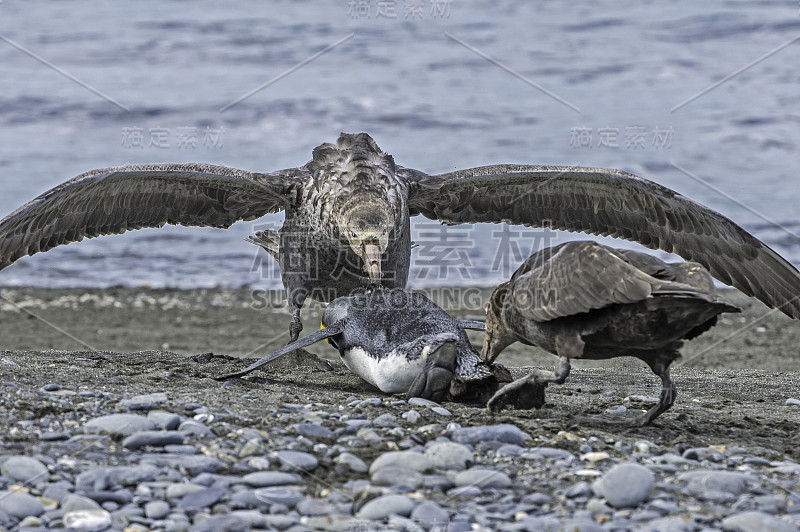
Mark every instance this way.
x=353 y=234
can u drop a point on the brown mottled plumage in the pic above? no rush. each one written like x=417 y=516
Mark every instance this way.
x=586 y=300
x=348 y=211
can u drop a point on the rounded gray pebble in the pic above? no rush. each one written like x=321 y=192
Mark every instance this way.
x=700 y=454
x=396 y=476
x=419 y=401
x=164 y=420
x=87 y=520
x=195 y=429
x=352 y=461
x=291 y=460
x=579 y=489
x=119 y=424
x=382 y=507
x=202 y=498
x=252 y=447
x=412 y=416
x=20 y=505
x=144 y=402
x=156 y=509
x=279 y=495
x=25 y=469
x=749 y=521
x=482 y=477
x=241 y=520
x=152 y=438
x=313 y=430
x=503 y=433
x=582 y=525
x=315 y=507
x=449 y=455
x=543 y=453
x=281 y=522
x=430 y=515
x=193 y=464
x=73 y=502
x=55 y=435
x=178 y=490
x=668 y=524
x=270 y=478
x=466 y=492
x=509 y=450
x=625 y=485
x=384 y=420
x=407 y=459
x=705 y=482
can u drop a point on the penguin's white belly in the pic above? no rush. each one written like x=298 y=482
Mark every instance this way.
x=392 y=373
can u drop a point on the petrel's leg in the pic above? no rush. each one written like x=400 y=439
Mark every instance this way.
x=528 y=392
x=668 y=393
x=296 y=301
x=300 y=357
x=659 y=362
x=295 y=326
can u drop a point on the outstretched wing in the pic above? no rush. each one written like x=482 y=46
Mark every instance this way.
x=305 y=341
x=114 y=200
x=610 y=203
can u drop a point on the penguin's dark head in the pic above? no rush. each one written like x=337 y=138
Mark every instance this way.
x=336 y=312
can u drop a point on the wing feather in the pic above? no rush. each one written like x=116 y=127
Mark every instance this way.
x=115 y=200
x=610 y=203
x=577 y=277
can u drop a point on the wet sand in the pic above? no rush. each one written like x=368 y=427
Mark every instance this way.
x=733 y=382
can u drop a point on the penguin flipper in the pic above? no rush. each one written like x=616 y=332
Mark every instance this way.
x=475 y=325
x=433 y=382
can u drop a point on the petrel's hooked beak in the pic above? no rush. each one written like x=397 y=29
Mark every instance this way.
x=486 y=347
x=371 y=253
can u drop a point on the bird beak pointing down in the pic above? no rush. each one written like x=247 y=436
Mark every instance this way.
x=487 y=341
x=372 y=261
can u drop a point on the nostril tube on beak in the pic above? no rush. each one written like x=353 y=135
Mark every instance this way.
x=372 y=261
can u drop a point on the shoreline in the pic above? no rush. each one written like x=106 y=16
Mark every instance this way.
x=250 y=323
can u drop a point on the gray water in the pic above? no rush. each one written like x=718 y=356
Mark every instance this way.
x=433 y=103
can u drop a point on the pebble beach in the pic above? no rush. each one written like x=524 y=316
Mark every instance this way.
x=118 y=439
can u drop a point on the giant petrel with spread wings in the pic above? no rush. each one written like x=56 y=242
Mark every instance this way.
x=348 y=211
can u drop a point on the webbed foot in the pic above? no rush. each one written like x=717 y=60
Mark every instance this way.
x=668 y=394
